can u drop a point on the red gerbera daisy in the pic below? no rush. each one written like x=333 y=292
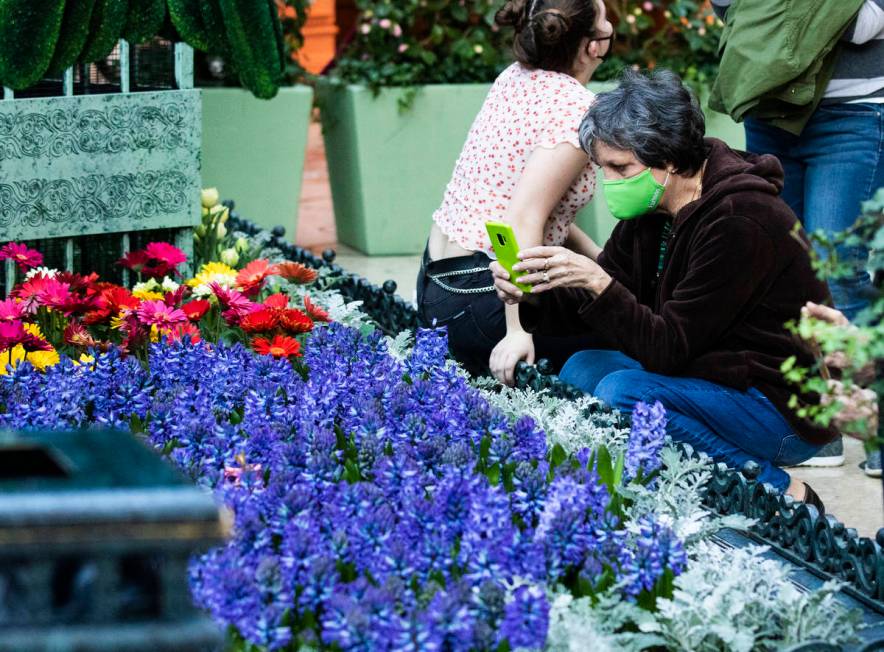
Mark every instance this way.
x=251 y=277
x=277 y=301
x=260 y=321
x=295 y=321
x=32 y=343
x=280 y=347
x=111 y=300
x=78 y=282
x=197 y=309
x=24 y=257
x=134 y=260
x=180 y=331
x=77 y=335
x=316 y=313
x=295 y=272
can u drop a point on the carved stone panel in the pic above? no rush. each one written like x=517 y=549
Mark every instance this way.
x=74 y=166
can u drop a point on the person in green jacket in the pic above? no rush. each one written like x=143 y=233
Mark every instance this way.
x=808 y=79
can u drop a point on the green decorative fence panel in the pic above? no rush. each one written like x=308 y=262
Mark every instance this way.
x=94 y=169
x=72 y=166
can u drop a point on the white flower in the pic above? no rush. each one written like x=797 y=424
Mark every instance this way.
x=43 y=271
x=169 y=285
x=230 y=257
x=149 y=285
x=209 y=197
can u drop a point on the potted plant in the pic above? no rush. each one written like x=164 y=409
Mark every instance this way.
x=255 y=148
x=396 y=111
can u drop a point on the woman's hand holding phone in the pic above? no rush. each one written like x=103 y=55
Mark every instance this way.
x=548 y=268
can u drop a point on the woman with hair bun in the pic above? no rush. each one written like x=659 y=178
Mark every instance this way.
x=522 y=164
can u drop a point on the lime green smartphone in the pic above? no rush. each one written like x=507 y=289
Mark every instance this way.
x=507 y=249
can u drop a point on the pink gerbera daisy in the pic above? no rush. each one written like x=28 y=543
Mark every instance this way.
x=234 y=304
x=11 y=310
x=24 y=257
x=163 y=258
x=11 y=333
x=157 y=313
x=54 y=294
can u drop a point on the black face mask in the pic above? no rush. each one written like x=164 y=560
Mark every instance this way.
x=610 y=45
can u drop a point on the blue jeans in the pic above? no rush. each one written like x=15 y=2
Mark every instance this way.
x=728 y=425
x=831 y=168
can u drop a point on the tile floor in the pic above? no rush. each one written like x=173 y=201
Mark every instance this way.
x=847 y=492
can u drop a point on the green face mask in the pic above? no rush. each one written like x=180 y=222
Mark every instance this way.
x=635 y=196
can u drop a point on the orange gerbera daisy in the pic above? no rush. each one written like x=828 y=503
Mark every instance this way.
x=251 y=277
x=316 y=313
x=280 y=347
x=295 y=272
x=295 y=321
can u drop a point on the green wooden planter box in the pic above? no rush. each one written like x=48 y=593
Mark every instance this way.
x=253 y=151
x=389 y=168
x=596 y=220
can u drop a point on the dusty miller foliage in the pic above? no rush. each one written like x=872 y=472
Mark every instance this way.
x=736 y=599
x=569 y=423
x=728 y=599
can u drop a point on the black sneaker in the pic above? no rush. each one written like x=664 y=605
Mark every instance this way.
x=832 y=454
x=872 y=465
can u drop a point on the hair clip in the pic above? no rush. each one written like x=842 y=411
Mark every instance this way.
x=532 y=9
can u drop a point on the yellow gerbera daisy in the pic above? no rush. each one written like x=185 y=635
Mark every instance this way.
x=214 y=272
x=147 y=295
x=40 y=359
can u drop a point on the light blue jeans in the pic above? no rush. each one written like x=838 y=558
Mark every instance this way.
x=730 y=426
x=831 y=168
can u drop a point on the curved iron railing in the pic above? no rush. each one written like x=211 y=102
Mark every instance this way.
x=820 y=544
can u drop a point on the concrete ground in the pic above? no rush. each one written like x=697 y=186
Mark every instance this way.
x=848 y=493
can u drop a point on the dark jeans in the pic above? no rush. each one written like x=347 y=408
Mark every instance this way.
x=730 y=426
x=475 y=321
x=831 y=168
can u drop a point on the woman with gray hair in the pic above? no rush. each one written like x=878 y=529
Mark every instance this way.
x=687 y=303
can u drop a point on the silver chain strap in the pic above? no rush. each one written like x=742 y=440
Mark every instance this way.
x=461 y=272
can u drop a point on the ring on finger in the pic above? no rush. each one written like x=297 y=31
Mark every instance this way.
x=546 y=265
x=545 y=277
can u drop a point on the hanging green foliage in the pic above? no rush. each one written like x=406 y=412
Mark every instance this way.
x=187 y=17
x=105 y=29
x=255 y=43
x=144 y=20
x=213 y=19
x=74 y=31
x=28 y=34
